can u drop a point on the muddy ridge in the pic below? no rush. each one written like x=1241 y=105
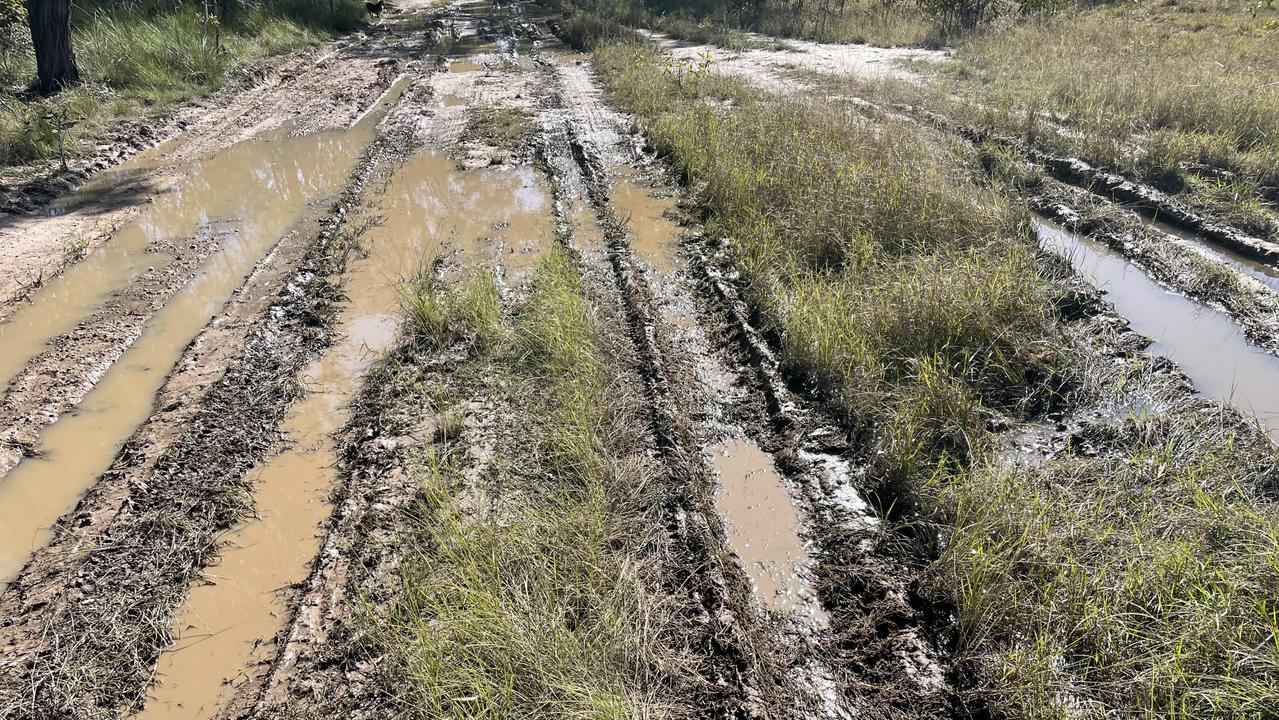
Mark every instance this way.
x=1132 y=193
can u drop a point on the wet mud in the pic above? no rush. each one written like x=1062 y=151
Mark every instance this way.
x=771 y=65
x=429 y=211
x=285 y=176
x=322 y=89
x=762 y=524
x=217 y=567
x=152 y=522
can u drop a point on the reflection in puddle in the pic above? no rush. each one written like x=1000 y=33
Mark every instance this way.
x=257 y=187
x=1204 y=342
x=484 y=214
x=258 y=190
x=763 y=527
x=496 y=215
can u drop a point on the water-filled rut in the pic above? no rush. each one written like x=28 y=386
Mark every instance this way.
x=430 y=210
x=1204 y=342
x=254 y=192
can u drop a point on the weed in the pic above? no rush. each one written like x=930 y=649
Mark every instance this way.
x=438 y=316
x=505 y=129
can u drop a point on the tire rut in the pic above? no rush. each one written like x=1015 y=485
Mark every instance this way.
x=90 y=614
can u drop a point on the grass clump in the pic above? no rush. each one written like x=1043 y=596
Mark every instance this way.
x=138 y=61
x=1140 y=580
x=536 y=606
x=886 y=273
x=505 y=129
x=438 y=316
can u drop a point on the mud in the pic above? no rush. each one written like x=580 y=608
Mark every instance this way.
x=431 y=211
x=323 y=89
x=654 y=237
x=1264 y=273
x=1204 y=342
x=222 y=564
x=136 y=556
x=762 y=525
x=79 y=447
x=773 y=69
x=1180 y=262
x=1154 y=203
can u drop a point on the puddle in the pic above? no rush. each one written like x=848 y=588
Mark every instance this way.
x=222 y=626
x=258 y=187
x=653 y=237
x=763 y=526
x=448 y=100
x=1204 y=342
x=464 y=66
x=254 y=191
x=497 y=215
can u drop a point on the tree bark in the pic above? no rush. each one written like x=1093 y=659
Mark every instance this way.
x=50 y=22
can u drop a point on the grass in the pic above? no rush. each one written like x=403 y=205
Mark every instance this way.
x=136 y=63
x=726 y=24
x=505 y=130
x=1133 y=576
x=534 y=602
x=1179 y=93
x=1141 y=580
x=894 y=266
x=1168 y=92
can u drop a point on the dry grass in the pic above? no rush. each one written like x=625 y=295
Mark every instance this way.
x=1156 y=90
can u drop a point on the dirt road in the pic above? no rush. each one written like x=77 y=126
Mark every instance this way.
x=211 y=433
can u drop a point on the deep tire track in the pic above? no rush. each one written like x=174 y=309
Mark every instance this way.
x=81 y=637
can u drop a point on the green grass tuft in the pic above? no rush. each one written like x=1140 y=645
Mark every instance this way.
x=539 y=607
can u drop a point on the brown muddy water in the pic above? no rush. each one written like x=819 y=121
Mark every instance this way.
x=763 y=527
x=256 y=191
x=430 y=209
x=653 y=236
x=1204 y=342
x=257 y=188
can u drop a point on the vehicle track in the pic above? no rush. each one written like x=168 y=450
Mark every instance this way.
x=119 y=565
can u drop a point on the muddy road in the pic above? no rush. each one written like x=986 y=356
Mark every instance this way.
x=212 y=416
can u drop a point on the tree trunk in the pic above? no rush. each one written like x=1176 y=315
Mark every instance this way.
x=51 y=37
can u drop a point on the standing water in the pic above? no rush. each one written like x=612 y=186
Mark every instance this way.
x=255 y=191
x=257 y=188
x=1204 y=342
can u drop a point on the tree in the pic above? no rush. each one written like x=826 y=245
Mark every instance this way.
x=50 y=22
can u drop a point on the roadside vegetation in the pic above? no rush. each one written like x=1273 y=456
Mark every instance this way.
x=136 y=60
x=930 y=23
x=1182 y=95
x=1134 y=576
x=530 y=589
x=1178 y=94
